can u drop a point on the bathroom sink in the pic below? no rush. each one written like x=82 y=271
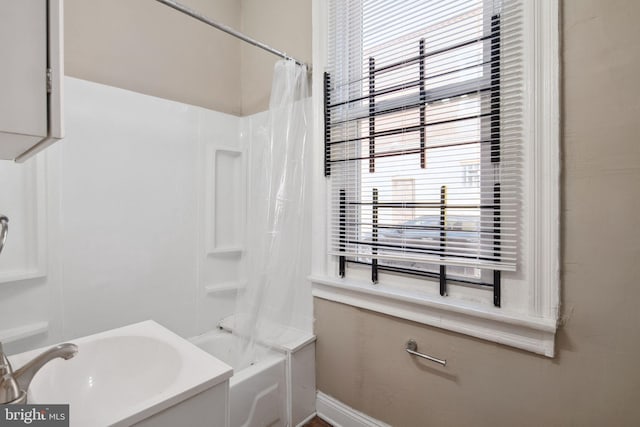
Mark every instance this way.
x=107 y=373
x=125 y=375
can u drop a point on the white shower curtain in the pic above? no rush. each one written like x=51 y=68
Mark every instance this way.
x=277 y=297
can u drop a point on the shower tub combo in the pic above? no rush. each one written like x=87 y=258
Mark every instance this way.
x=277 y=390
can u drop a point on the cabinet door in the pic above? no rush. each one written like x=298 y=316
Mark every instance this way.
x=23 y=75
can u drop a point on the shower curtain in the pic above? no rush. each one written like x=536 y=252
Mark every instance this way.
x=277 y=297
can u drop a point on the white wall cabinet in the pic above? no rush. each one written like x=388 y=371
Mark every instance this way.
x=31 y=72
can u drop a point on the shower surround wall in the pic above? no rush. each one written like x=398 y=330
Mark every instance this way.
x=138 y=214
x=123 y=214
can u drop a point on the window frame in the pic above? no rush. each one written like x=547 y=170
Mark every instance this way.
x=489 y=278
x=529 y=315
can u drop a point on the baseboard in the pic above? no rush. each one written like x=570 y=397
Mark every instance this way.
x=338 y=414
x=306 y=420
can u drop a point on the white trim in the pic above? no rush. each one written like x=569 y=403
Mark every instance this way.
x=22 y=332
x=319 y=200
x=460 y=307
x=340 y=415
x=525 y=332
x=306 y=420
x=546 y=206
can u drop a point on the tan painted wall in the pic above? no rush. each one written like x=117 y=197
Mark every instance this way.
x=282 y=24
x=595 y=379
x=147 y=47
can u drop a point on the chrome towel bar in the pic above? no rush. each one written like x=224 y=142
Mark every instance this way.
x=412 y=348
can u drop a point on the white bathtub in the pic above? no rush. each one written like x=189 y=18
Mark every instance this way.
x=257 y=394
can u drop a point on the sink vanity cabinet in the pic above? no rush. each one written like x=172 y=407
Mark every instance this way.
x=138 y=375
x=206 y=409
x=30 y=76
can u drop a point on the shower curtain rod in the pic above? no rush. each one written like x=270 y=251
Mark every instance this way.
x=192 y=13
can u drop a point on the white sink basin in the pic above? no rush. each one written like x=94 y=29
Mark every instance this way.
x=125 y=375
x=108 y=372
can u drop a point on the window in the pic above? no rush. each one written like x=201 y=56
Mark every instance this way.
x=429 y=92
x=441 y=163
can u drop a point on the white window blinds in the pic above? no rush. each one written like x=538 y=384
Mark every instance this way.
x=423 y=134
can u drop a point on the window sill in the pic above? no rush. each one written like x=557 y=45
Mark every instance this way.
x=534 y=334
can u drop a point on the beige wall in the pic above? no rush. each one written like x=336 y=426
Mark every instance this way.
x=282 y=24
x=595 y=379
x=147 y=47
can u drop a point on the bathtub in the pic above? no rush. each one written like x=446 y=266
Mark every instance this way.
x=257 y=394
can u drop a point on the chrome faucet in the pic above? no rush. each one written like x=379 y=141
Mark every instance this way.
x=14 y=385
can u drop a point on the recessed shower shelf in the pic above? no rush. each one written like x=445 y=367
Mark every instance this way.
x=21 y=275
x=229 y=250
x=22 y=332
x=225 y=194
x=225 y=287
